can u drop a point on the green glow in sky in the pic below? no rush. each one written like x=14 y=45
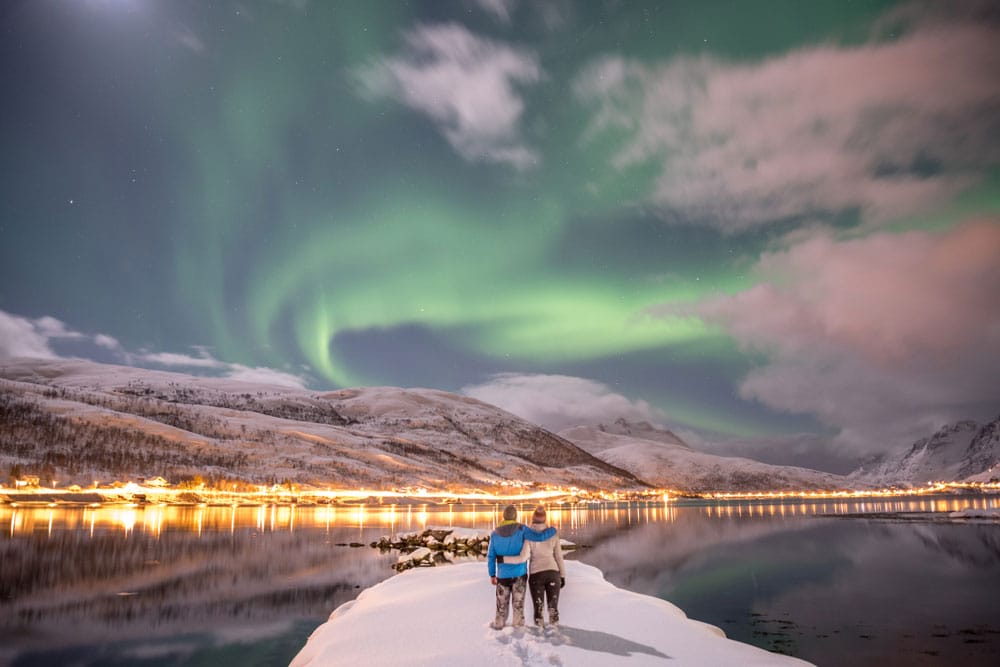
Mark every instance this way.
x=312 y=187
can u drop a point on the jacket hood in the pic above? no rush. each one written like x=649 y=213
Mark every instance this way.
x=507 y=528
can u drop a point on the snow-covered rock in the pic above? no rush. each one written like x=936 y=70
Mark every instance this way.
x=440 y=616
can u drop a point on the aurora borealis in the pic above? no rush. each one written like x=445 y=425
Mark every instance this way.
x=772 y=226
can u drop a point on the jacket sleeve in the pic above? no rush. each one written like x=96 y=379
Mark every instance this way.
x=539 y=536
x=491 y=560
x=557 y=552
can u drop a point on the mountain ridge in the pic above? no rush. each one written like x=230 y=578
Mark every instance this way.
x=74 y=415
x=963 y=450
x=676 y=465
x=80 y=420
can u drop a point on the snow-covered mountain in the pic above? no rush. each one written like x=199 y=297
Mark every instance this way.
x=81 y=421
x=642 y=430
x=960 y=451
x=664 y=460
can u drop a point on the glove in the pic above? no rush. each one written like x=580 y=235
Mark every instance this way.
x=562 y=582
x=499 y=559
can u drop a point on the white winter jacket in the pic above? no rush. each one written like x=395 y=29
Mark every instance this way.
x=546 y=555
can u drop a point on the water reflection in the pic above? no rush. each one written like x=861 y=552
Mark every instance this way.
x=861 y=591
x=153 y=574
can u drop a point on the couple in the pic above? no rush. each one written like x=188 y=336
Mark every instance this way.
x=512 y=544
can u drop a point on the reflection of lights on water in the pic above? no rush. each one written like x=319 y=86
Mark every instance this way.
x=123 y=518
x=152 y=520
x=388 y=518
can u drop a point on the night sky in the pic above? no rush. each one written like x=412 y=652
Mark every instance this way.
x=772 y=226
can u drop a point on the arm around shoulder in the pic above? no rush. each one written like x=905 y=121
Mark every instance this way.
x=539 y=535
x=521 y=557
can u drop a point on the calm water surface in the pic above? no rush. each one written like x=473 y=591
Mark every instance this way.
x=859 y=582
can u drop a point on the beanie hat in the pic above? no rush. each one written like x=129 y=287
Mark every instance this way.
x=509 y=513
x=539 y=515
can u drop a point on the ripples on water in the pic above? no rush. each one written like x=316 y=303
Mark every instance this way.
x=165 y=585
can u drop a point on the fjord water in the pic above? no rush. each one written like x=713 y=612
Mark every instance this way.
x=858 y=582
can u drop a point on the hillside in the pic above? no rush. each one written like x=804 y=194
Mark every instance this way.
x=959 y=451
x=666 y=463
x=78 y=421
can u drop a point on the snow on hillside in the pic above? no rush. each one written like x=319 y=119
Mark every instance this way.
x=982 y=458
x=439 y=616
x=83 y=418
x=961 y=451
x=677 y=466
x=643 y=431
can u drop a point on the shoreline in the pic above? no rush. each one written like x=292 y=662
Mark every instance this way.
x=139 y=496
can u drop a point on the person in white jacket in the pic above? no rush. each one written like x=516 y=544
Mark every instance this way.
x=547 y=572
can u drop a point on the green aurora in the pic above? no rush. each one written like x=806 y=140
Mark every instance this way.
x=217 y=176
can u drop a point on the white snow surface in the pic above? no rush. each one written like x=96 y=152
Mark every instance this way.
x=440 y=616
x=973 y=513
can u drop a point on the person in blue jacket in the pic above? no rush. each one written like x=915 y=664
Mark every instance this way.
x=511 y=578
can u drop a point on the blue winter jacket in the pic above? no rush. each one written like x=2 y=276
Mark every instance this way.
x=507 y=540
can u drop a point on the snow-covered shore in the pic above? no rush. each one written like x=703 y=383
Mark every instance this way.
x=435 y=616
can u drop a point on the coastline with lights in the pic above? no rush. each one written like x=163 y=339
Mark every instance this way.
x=137 y=494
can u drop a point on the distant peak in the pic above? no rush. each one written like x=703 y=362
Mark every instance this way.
x=642 y=430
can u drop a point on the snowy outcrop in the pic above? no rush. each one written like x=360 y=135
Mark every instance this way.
x=677 y=466
x=439 y=616
x=957 y=452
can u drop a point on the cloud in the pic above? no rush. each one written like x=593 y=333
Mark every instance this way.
x=501 y=9
x=239 y=372
x=466 y=85
x=187 y=38
x=556 y=402
x=21 y=337
x=107 y=342
x=885 y=337
x=51 y=328
x=203 y=360
x=886 y=128
x=262 y=375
